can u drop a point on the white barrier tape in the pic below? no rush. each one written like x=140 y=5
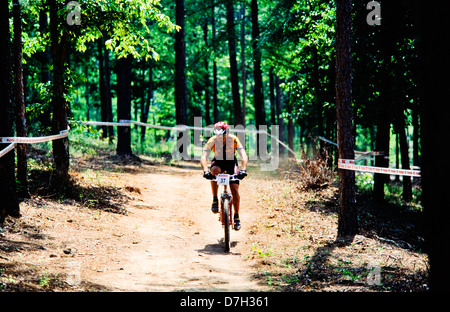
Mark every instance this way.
x=349 y=164
x=8 y=149
x=205 y=128
x=363 y=154
x=182 y=127
x=127 y=123
x=326 y=140
x=121 y=123
x=31 y=140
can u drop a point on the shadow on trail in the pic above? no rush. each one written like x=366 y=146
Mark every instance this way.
x=400 y=224
x=317 y=273
x=218 y=249
x=103 y=197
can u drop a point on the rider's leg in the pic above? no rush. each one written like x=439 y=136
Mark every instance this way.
x=236 y=197
x=215 y=170
x=236 y=204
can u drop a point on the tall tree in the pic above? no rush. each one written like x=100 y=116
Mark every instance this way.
x=149 y=100
x=124 y=104
x=180 y=65
x=347 y=213
x=434 y=84
x=215 y=80
x=8 y=199
x=243 y=65
x=279 y=107
x=258 y=93
x=384 y=115
x=231 y=33
x=58 y=37
x=21 y=124
x=207 y=83
x=103 y=86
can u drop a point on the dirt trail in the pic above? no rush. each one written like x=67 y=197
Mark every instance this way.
x=169 y=240
x=177 y=243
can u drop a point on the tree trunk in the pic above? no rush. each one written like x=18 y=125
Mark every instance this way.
x=102 y=85
x=404 y=150
x=273 y=119
x=8 y=198
x=399 y=126
x=347 y=212
x=238 y=117
x=109 y=113
x=215 y=87
x=382 y=144
x=291 y=131
x=387 y=29
x=416 y=135
x=207 y=83
x=279 y=106
x=124 y=104
x=180 y=66
x=149 y=98
x=60 y=177
x=243 y=67
x=260 y=117
x=21 y=123
x=44 y=58
x=434 y=123
x=318 y=99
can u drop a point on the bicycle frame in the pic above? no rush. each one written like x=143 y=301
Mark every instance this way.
x=226 y=195
x=224 y=180
x=226 y=212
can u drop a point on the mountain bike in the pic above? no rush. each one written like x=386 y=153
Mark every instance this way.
x=226 y=205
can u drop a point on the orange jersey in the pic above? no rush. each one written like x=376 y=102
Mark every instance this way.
x=216 y=145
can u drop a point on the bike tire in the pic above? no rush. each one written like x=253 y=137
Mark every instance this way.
x=226 y=222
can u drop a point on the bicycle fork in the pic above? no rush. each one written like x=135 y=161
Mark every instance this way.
x=225 y=195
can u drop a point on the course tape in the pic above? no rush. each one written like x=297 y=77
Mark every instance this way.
x=361 y=154
x=29 y=140
x=349 y=164
x=8 y=149
x=127 y=123
x=183 y=127
x=121 y=123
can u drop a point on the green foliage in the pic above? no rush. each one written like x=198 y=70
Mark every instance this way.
x=297 y=45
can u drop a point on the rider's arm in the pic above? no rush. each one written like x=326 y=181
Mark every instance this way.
x=204 y=160
x=244 y=158
x=206 y=151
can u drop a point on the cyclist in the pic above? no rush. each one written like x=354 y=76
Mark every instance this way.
x=224 y=146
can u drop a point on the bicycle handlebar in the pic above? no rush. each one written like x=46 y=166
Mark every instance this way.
x=233 y=177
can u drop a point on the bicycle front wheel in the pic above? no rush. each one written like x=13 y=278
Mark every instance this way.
x=226 y=223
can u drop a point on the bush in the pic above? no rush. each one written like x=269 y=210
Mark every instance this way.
x=315 y=173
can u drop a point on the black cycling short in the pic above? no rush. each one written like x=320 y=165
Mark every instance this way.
x=227 y=166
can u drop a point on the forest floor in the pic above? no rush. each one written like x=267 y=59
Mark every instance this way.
x=147 y=226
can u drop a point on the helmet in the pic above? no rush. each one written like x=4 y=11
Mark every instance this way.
x=221 y=128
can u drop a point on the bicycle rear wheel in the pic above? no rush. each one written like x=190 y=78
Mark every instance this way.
x=226 y=222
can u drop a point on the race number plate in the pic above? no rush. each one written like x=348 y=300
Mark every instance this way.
x=223 y=179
